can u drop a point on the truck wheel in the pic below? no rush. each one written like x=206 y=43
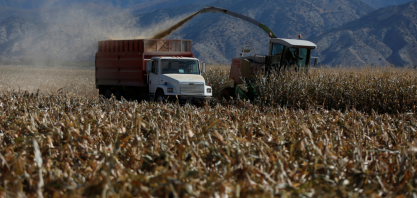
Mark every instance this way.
x=108 y=94
x=160 y=97
x=228 y=93
x=118 y=94
x=102 y=90
x=127 y=95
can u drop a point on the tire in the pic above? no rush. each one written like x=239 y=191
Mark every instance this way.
x=118 y=94
x=127 y=95
x=228 y=93
x=108 y=94
x=160 y=97
x=102 y=90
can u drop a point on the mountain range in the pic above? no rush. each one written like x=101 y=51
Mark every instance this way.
x=30 y=4
x=124 y=4
x=384 y=3
x=347 y=32
x=385 y=36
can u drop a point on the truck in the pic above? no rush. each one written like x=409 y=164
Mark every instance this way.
x=150 y=69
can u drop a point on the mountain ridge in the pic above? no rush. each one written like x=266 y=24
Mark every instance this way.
x=346 y=31
x=30 y=4
x=385 y=36
x=121 y=4
x=384 y=3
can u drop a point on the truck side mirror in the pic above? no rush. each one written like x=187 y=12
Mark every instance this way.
x=149 y=66
x=315 y=62
x=203 y=69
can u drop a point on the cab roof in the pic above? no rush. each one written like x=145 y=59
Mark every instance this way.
x=175 y=57
x=294 y=43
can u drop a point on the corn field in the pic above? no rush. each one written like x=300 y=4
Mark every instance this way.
x=65 y=141
x=382 y=89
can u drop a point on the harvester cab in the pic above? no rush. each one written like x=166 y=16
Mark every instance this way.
x=289 y=53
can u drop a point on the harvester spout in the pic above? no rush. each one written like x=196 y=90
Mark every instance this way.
x=239 y=16
x=213 y=9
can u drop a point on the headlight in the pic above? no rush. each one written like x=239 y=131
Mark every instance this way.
x=208 y=90
x=170 y=89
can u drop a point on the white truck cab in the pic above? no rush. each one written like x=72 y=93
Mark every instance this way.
x=172 y=78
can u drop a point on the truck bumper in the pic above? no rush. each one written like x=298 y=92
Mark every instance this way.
x=194 y=99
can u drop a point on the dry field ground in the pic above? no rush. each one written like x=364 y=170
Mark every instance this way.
x=331 y=133
x=75 y=82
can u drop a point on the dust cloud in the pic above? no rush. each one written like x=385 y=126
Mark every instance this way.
x=71 y=33
x=165 y=33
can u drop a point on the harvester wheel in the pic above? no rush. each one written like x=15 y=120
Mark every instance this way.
x=228 y=93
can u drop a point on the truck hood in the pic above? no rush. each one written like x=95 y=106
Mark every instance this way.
x=184 y=77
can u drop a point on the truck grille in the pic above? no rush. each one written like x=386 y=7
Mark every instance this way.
x=192 y=88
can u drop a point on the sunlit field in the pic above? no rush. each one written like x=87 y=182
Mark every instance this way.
x=75 y=82
x=329 y=133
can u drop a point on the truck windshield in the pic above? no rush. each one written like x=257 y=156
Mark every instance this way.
x=178 y=66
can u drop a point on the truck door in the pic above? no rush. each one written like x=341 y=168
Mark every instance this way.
x=154 y=77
